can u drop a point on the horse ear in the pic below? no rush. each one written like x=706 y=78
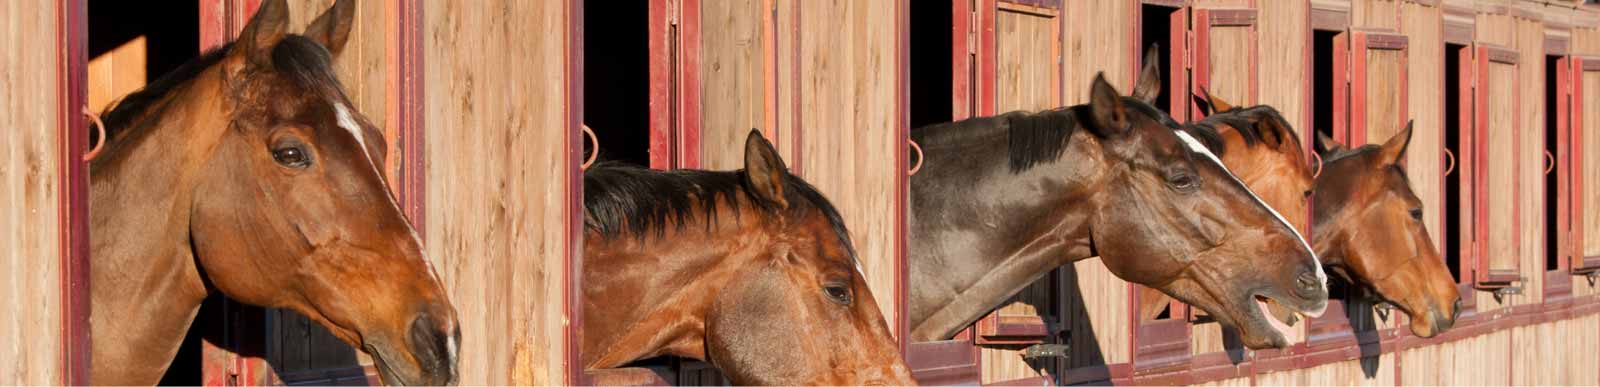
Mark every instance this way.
x=764 y=172
x=1217 y=104
x=1109 y=115
x=265 y=29
x=1394 y=150
x=1149 y=86
x=332 y=28
x=1326 y=145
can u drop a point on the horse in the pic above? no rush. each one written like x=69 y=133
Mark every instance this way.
x=1367 y=222
x=752 y=270
x=1000 y=201
x=246 y=172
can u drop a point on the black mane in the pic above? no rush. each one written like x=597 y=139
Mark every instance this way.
x=619 y=199
x=300 y=58
x=1037 y=137
x=1256 y=124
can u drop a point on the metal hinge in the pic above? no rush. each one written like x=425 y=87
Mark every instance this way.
x=1039 y=351
x=1188 y=49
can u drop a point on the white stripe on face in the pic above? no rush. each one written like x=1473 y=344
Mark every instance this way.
x=1197 y=147
x=348 y=123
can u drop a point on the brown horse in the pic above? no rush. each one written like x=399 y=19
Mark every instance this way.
x=1003 y=200
x=247 y=172
x=752 y=270
x=1367 y=220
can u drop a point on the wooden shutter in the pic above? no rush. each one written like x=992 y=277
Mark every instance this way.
x=1583 y=164
x=1496 y=137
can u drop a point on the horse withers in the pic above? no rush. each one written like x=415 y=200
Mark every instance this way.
x=247 y=172
x=752 y=270
x=1001 y=201
x=1366 y=222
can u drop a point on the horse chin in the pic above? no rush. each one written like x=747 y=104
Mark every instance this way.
x=385 y=372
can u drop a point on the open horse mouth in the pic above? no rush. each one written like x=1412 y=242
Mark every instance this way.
x=1280 y=317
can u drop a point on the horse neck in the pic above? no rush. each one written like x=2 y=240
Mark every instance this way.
x=146 y=285
x=669 y=283
x=981 y=233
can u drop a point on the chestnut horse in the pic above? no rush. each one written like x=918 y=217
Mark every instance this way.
x=246 y=172
x=1001 y=201
x=751 y=270
x=1367 y=222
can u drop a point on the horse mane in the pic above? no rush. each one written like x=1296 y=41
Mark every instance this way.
x=1256 y=124
x=303 y=60
x=622 y=199
x=1033 y=137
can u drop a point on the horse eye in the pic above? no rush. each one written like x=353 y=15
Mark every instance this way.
x=292 y=157
x=1416 y=213
x=837 y=292
x=1183 y=182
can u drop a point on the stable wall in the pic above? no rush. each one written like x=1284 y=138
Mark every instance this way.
x=30 y=188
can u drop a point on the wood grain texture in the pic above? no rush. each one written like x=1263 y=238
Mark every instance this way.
x=1501 y=163
x=847 y=99
x=1346 y=373
x=496 y=175
x=116 y=73
x=1230 y=57
x=732 y=91
x=1591 y=162
x=1375 y=14
x=30 y=325
x=1530 y=159
x=1477 y=361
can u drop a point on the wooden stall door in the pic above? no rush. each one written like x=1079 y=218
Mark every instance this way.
x=1497 y=132
x=1583 y=146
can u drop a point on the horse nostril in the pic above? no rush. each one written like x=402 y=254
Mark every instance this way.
x=1308 y=284
x=435 y=346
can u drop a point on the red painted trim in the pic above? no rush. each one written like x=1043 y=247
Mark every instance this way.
x=1557 y=281
x=405 y=107
x=902 y=185
x=987 y=57
x=1200 y=61
x=1182 y=59
x=73 y=195
x=962 y=44
x=689 y=118
x=663 y=78
x=945 y=362
x=1576 y=135
x=1011 y=330
x=1485 y=277
x=572 y=263
x=1341 y=93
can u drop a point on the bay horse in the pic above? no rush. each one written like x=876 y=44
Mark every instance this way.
x=1366 y=222
x=751 y=270
x=247 y=172
x=1000 y=201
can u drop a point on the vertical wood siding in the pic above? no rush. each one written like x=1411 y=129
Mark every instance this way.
x=496 y=90
x=30 y=323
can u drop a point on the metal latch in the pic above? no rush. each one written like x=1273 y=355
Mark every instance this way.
x=1040 y=351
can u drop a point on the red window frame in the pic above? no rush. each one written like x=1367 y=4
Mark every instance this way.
x=72 y=138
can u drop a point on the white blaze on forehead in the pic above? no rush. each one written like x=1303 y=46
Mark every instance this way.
x=348 y=123
x=1197 y=147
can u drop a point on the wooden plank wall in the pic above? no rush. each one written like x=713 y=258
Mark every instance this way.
x=29 y=186
x=1024 y=76
x=848 y=102
x=495 y=91
x=1530 y=158
x=1347 y=373
x=295 y=343
x=732 y=89
x=1098 y=313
